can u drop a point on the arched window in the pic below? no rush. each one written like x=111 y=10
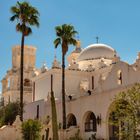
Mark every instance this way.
x=71 y=120
x=90 y=122
x=119 y=75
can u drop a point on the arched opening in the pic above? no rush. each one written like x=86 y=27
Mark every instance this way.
x=113 y=129
x=90 y=122
x=119 y=75
x=71 y=120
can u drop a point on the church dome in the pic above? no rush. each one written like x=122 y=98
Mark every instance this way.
x=97 y=51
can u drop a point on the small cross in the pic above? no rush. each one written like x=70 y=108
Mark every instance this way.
x=97 y=39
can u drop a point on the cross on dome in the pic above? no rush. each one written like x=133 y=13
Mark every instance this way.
x=97 y=39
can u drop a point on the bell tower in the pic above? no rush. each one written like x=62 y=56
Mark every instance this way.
x=29 y=57
x=11 y=81
x=74 y=55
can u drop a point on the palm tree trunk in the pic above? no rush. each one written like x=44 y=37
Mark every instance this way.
x=63 y=91
x=21 y=77
x=54 y=113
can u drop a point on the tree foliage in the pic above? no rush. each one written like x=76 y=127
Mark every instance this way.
x=26 y=15
x=126 y=113
x=8 y=113
x=65 y=36
x=31 y=129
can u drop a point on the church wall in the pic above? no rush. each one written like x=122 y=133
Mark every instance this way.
x=44 y=84
x=129 y=76
x=28 y=114
x=73 y=79
x=109 y=80
x=98 y=103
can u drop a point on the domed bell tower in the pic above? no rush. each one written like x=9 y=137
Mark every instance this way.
x=11 y=81
x=74 y=55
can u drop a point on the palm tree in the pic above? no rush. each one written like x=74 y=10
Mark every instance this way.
x=65 y=37
x=26 y=16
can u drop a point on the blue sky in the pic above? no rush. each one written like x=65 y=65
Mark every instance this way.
x=116 y=22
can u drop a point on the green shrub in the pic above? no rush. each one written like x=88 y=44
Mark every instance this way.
x=31 y=129
x=8 y=113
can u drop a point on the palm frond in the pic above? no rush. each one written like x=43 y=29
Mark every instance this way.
x=72 y=41
x=34 y=20
x=15 y=10
x=66 y=33
x=74 y=33
x=57 y=41
x=59 y=31
x=14 y=17
x=34 y=11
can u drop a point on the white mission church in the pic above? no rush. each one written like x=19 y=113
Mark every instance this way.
x=94 y=75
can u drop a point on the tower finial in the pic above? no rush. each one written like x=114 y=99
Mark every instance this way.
x=97 y=39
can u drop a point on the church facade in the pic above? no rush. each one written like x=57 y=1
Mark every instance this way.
x=94 y=76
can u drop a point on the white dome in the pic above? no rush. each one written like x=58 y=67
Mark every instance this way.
x=97 y=51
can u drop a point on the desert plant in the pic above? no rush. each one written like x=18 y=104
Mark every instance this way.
x=54 y=113
x=31 y=129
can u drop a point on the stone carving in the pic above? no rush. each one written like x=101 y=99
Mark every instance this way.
x=84 y=85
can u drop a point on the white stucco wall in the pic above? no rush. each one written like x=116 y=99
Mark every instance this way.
x=99 y=102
